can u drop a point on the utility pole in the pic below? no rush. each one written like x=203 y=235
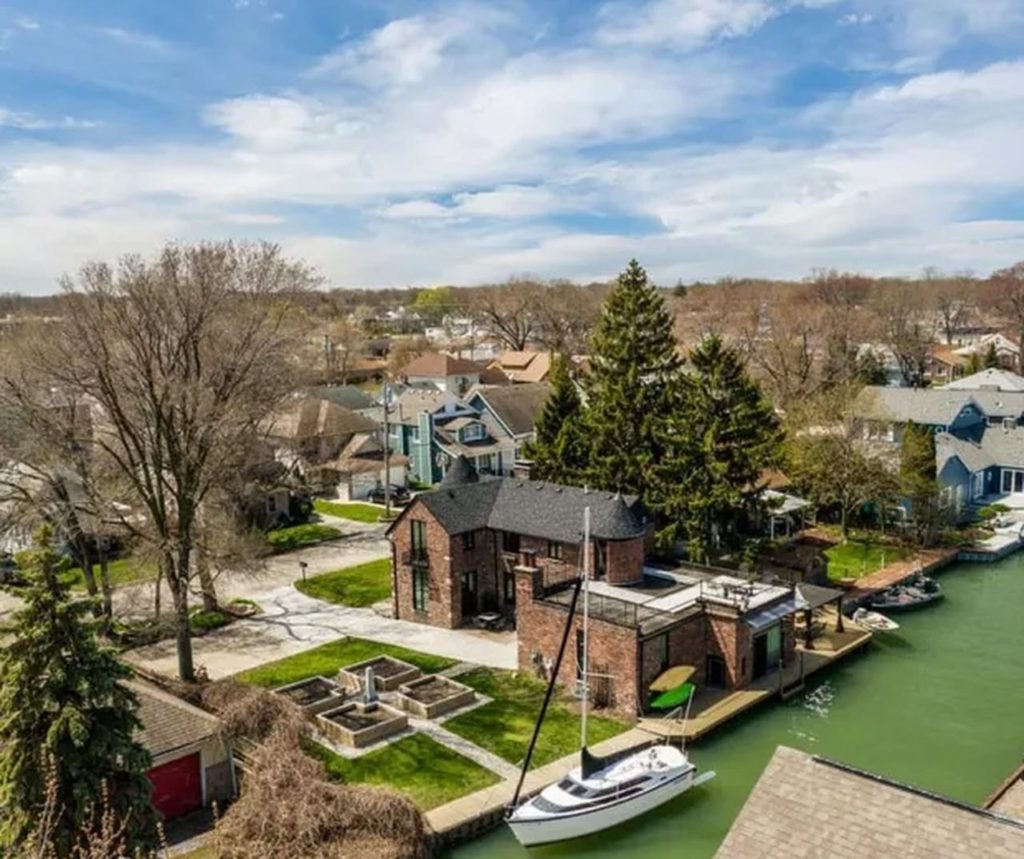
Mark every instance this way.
x=387 y=451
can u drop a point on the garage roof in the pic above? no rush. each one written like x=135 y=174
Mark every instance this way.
x=168 y=723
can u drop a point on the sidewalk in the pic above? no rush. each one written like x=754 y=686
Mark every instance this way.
x=292 y=622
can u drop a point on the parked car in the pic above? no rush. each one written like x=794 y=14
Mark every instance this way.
x=399 y=495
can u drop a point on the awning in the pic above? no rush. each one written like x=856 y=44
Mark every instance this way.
x=815 y=596
x=764 y=618
x=675 y=676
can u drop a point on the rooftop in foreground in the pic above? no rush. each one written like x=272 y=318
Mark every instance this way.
x=807 y=806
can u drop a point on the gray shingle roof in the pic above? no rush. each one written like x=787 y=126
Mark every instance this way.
x=934 y=406
x=168 y=723
x=1004 y=446
x=348 y=396
x=545 y=510
x=992 y=378
x=517 y=406
x=970 y=453
x=805 y=807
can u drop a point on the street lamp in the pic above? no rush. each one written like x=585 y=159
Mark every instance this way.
x=302 y=566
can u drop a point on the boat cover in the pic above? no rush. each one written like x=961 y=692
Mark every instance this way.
x=673 y=698
x=590 y=764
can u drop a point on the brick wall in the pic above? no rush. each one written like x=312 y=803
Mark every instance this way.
x=613 y=649
x=443 y=594
x=730 y=638
x=625 y=559
x=687 y=645
x=482 y=559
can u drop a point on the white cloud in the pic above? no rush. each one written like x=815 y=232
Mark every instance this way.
x=681 y=23
x=30 y=122
x=134 y=39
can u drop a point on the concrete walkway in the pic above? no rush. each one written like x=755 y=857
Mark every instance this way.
x=466 y=748
x=292 y=622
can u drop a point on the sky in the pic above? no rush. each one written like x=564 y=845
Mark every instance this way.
x=398 y=143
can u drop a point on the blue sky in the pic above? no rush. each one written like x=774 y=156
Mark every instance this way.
x=394 y=143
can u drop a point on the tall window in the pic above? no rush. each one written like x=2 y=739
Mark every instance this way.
x=420 y=589
x=468 y=540
x=509 y=541
x=419 y=539
x=555 y=551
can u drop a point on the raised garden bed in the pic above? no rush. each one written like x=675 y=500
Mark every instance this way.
x=357 y=724
x=432 y=696
x=390 y=673
x=313 y=696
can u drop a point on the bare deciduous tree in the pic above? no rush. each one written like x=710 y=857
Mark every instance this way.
x=186 y=355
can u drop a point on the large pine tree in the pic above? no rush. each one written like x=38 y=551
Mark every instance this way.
x=634 y=365
x=559 y=450
x=66 y=723
x=720 y=434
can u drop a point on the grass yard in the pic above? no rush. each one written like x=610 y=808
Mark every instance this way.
x=427 y=772
x=860 y=556
x=505 y=724
x=360 y=586
x=328 y=658
x=122 y=571
x=356 y=511
x=297 y=536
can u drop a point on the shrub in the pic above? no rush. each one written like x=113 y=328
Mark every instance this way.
x=204 y=621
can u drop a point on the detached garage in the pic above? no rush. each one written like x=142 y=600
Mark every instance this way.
x=192 y=765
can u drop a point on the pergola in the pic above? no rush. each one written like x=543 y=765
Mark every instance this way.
x=810 y=597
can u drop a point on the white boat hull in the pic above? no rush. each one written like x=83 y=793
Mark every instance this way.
x=577 y=824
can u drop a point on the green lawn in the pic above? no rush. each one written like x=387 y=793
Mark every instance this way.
x=122 y=571
x=328 y=658
x=860 y=556
x=297 y=536
x=427 y=772
x=356 y=511
x=362 y=585
x=505 y=724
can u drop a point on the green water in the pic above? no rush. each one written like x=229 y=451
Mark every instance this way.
x=939 y=705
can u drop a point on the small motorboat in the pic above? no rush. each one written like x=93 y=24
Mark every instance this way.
x=920 y=592
x=873 y=621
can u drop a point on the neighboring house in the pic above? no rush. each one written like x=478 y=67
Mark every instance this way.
x=360 y=468
x=441 y=372
x=433 y=427
x=192 y=765
x=944 y=364
x=978 y=423
x=804 y=806
x=524 y=367
x=1007 y=351
x=347 y=396
x=513 y=547
x=516 y=408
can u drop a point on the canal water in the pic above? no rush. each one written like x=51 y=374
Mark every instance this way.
x=939 y=705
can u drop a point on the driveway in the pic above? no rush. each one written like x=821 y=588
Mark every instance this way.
x=361 y=543
x=292 y=622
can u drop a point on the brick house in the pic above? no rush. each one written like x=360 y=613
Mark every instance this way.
x=513 y=546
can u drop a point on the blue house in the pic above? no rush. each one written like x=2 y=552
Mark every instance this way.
x=978 y=423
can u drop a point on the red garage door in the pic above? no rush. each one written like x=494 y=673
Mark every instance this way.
x=177 y=786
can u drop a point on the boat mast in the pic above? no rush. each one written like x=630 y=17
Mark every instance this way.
x=585 y=687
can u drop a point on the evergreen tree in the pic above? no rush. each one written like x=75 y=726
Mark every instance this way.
x=634 y=365
x=919 y=482
x=721 y=434
x=66 y=717
x=559 y=451
x=991 y=357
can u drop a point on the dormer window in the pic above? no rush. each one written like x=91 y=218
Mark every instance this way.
x=472 y=432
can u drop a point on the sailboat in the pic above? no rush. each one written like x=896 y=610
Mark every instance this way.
x=600 y=792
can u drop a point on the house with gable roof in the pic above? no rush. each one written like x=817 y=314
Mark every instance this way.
x=508 y=548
